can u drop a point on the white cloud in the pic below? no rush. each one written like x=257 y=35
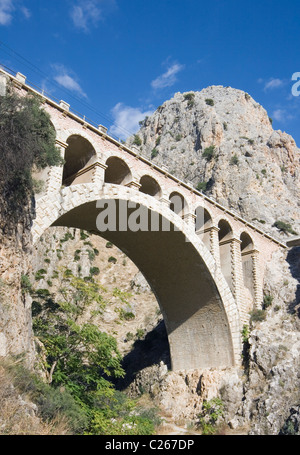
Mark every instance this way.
x=168 y=78
x=26 y=12
x=6 y=10
x=127 y=120
x=279 y=115
x=65 y=80
x=8 y=7
x=87 y=13
x=273 y=83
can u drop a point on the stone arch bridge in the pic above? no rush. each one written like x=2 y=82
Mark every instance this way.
x=206 y=270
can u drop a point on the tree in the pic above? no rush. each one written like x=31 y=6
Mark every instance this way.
x=27 y=141
x=78 y=355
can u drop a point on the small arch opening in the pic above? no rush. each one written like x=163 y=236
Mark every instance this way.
x=117 y=171
x=203 y=223
x=178 y=204
x=225 y=231
x=150 y=186
x=78 y=155
x=225 y=236
x=246 y=242
x=203 y=219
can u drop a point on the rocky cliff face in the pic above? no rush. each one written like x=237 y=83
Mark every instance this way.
x=15 y=304
x=251 y=168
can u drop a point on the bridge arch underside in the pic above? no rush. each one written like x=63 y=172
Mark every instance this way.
x=196 y=321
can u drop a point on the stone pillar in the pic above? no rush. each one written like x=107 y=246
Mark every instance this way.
x=238 y=278
x=214 y=244
x=99 y=174
x=190 y=218
x=257 y=280
x=55 y=174
x=165 y=201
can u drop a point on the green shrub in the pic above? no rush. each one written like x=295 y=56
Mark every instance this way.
x=38 y=186
x=140 y=333
x=210 y=102
x=91 y=254
x=126 y=315
x=137 y=140
x=209 y=153
x=51 y=402
x=245 y=333
x=25 y=284
x=40 y=274
x=201 y=186
x=154 y=153
x=67 y=236
x=112 y=259
x=83 y=235
x=284 y=227
x=257 y=315
x=77 y=255
x=234 y=160
x=94 y=271
x=178 y=137
x=267 y=301
x=212 y=411
x=189 y=96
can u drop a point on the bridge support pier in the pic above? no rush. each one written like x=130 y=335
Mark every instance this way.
x=238 y=279
x=257 y=280
x=55 y=174
x=99 y=174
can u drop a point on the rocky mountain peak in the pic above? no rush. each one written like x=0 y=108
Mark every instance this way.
x=222 y=141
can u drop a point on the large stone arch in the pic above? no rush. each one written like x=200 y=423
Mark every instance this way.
x=200 y=312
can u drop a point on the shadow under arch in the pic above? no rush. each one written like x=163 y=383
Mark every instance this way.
x=79 y=154
x=192 y=295
x=117 y=171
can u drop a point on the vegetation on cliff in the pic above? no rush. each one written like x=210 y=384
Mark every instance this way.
x=27 y=142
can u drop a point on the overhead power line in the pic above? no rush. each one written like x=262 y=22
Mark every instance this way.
x=12 y=53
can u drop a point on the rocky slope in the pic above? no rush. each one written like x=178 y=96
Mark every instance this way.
x=15 y=304
x=253 y=169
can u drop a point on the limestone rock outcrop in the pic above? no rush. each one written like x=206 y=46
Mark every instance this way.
x=253 y=169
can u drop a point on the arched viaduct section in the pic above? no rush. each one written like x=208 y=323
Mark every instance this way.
x=200 y=313
x=207 y=285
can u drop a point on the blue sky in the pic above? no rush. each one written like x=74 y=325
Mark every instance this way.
x=116 y=61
